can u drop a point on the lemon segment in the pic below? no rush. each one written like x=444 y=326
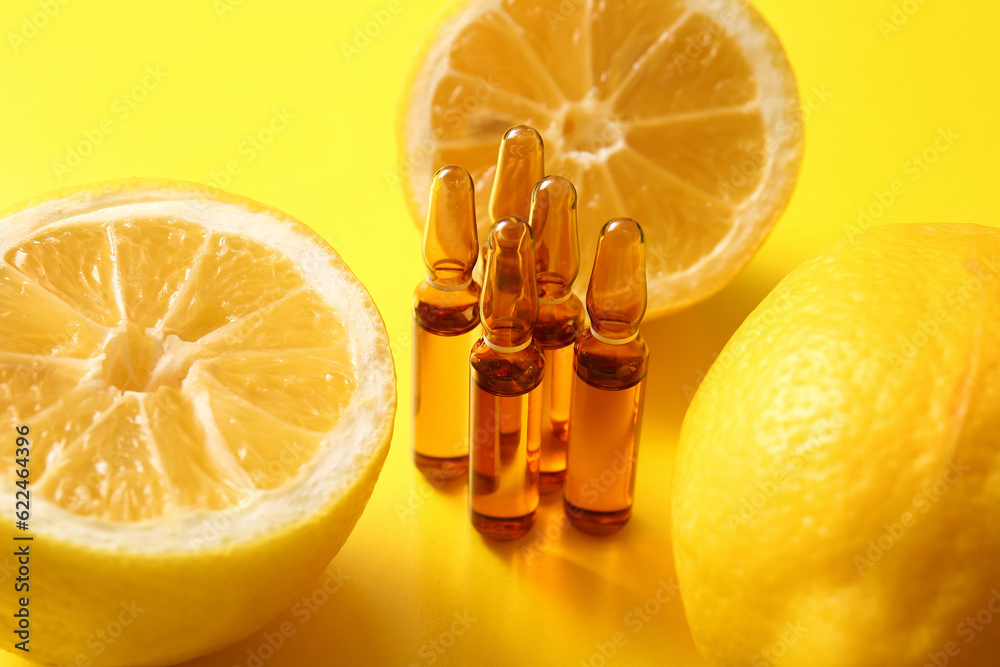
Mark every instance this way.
x=154 y=258
x=76 y=266
x=232 y=277
x=35 y=322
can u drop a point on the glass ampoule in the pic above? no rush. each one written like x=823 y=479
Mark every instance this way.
x=520 y=165
x=560 y=316
x=610 y=364
x=446 y=324
x=505 y=404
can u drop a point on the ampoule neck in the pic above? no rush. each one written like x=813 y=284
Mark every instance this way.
x=501 y=345
x=454 y=285
x=559 y=323
x=553 y=294
x=446 y=312
x=509 y=303
x=507 y=373
x=451 y=243
x=611 y=366
x=614 y=338
x=557 y=249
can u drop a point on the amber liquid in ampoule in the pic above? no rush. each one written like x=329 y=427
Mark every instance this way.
x=560 y=316
x=610 y=364
x=445 y=326
x=446 y=323
x=505 y=390
x=556 y=388
x=505 y=436
x=607 y=419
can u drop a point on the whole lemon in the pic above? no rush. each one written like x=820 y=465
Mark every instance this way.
x=837 y=494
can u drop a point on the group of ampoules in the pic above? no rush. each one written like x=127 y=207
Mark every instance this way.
x=533 y=400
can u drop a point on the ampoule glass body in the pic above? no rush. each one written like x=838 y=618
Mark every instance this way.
x=505 y=389
x=445 y=324
x=560 y=316
x=610 y=364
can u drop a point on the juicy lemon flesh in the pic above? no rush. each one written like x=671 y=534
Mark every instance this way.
x=652 y=109
x=163 y=368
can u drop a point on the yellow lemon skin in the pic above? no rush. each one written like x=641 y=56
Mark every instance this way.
x=91 y=607
x=837 y=492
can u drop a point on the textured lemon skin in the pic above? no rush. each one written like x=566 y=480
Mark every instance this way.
x=95 y=607
x=837 y=491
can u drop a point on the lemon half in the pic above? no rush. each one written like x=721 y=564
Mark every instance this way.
x=681 y=114
x=209 y=396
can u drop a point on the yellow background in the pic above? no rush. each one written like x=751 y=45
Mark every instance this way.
x=227 y=67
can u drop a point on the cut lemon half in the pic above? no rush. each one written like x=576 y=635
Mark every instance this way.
x=206 y=394
x=682 y=114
